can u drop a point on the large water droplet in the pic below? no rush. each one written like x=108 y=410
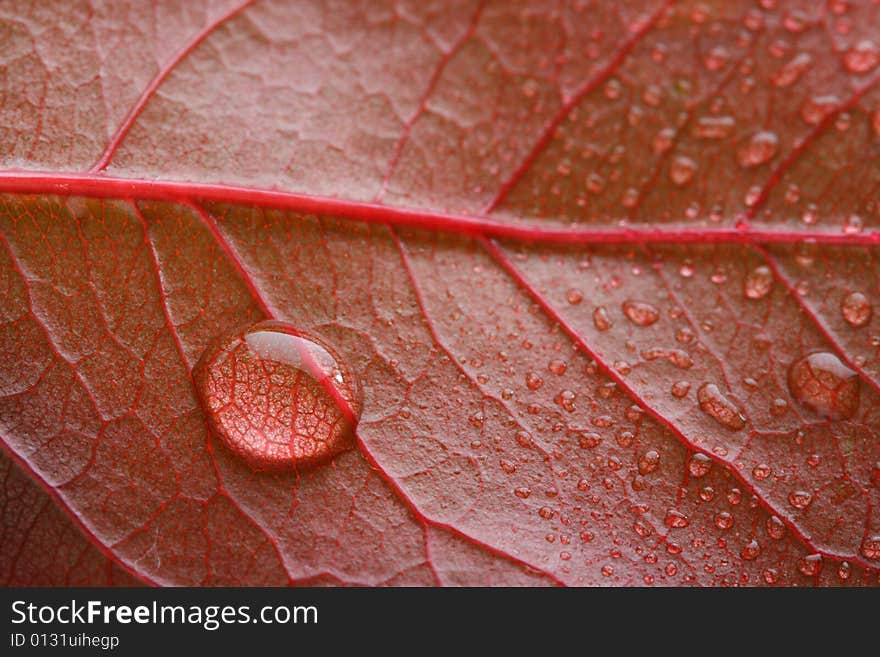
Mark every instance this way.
x=822 y=383
x=759 y=148
x=856 y=309
x=719 y=407
x=640 y=313
x=277 y=397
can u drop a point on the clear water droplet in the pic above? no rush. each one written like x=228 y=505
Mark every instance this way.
x=792 y=71
x=574 y=296
x=717 y=406
x=800 y=499
x=723 y=520
x=750 y=550
x=871 y=548
x=714 y=127
x=278 y=397
x=675 y=519
x=810 y=565
x=640 y=313
x=775 y=528
x=816 y=108
x=862 y=57
x=680 y=389
x=601 y=320
x=758 y=149
x=823 y=384
x=758 y=283
x=533 y=381
x=761 y=471
x=649 y=462
x=682 y=170
x=699 y=465
x=856 y=309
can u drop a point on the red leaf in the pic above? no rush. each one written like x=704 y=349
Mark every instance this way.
x=580 y=261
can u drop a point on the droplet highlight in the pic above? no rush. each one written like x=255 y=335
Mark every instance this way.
x=278 y=397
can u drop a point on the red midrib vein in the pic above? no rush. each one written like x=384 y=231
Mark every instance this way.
x=101 y=186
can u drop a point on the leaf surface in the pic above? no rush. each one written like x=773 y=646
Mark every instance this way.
x=571 y=254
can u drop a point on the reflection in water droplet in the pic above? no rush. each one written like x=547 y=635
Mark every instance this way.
x=758 y=283
x=640 y=313
x=717 y=406
x=277 y=397
x=856 y=309
x=822 y=383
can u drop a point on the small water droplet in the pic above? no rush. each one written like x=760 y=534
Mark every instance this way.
x=862 y=57
x=682 y=170
x=810 y=565
x=680 y=389
x=714 y=127
x=750 y=550
x=601 y=320
x=557 y=367
x=761 y=471
x=871 y=548
x=699 y=465
x=675 y=519
x=649 y=462
x=823 y=384
x=816 y=108
x=800 y=499
x=640 y=313
x=717 y=406
x=546 y=512
x=723 y=520
x=758 y=149
x=533 y=381
x=775 y=528
x=566 y=400
x=856 y=309
x=574 y=296
x=792 y=70
x=522 y=492
x=278 y=397
x=758 y=283
x=663 y=140
x=843 y=570
x=771 y=575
